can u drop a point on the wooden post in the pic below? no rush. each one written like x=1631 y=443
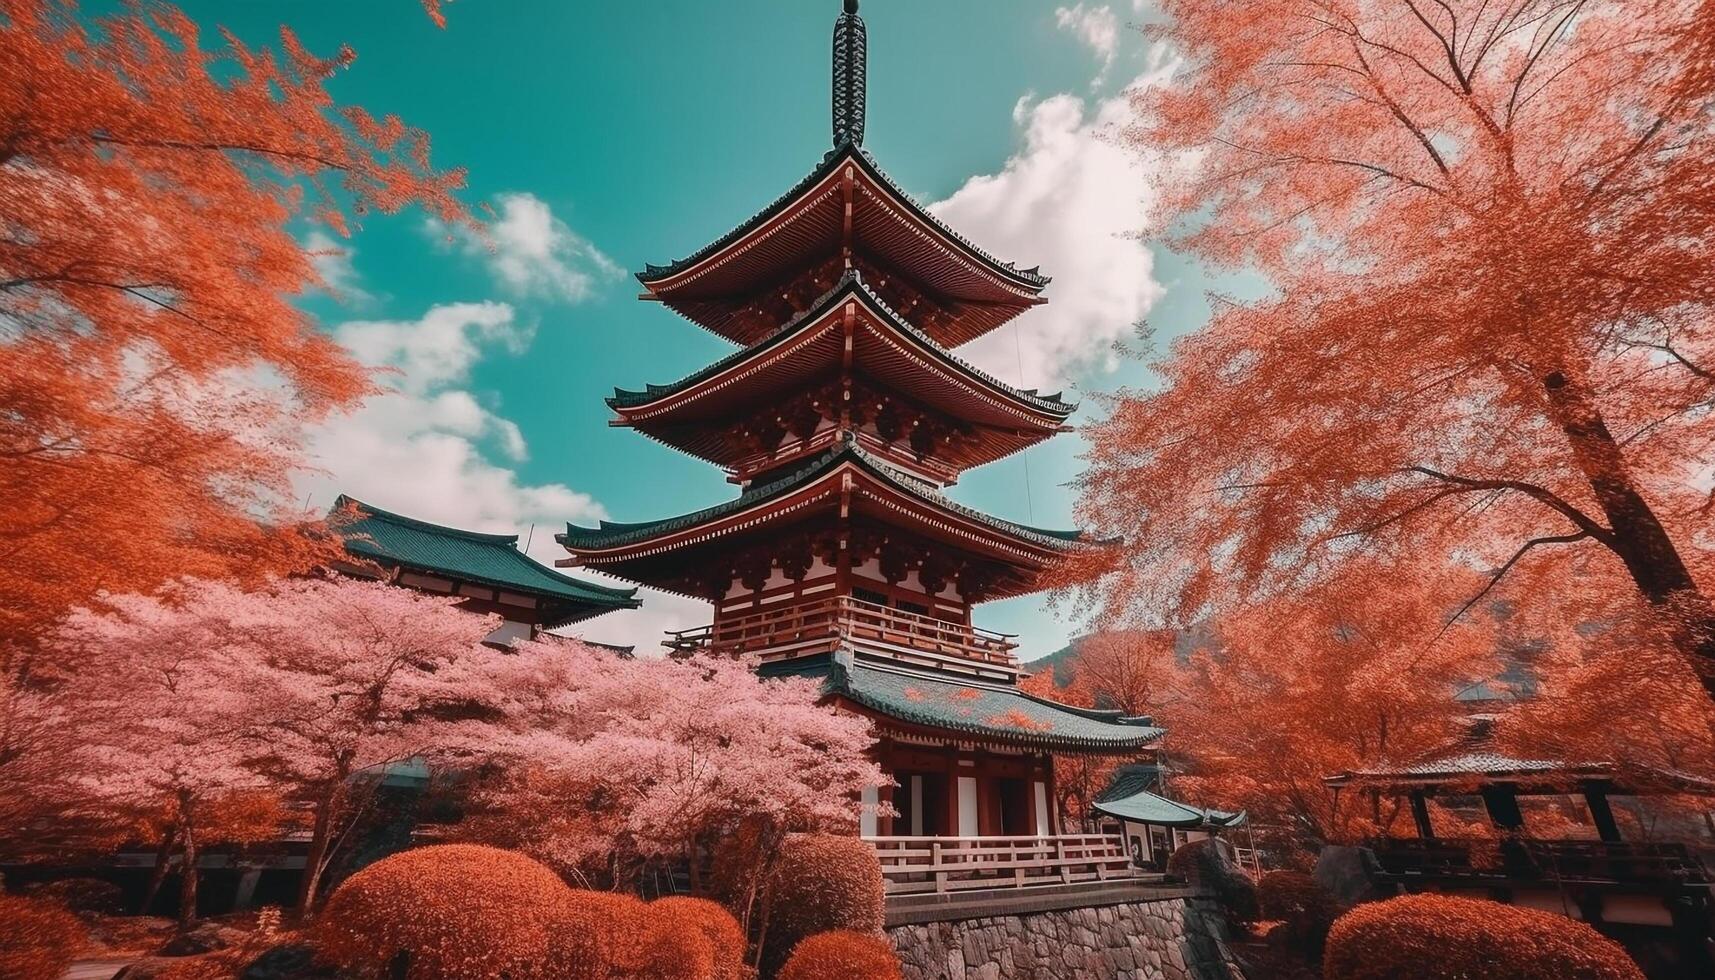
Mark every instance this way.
x=1501 y=802
x=1420 y=814
x=1602 y=813
x=935 y=862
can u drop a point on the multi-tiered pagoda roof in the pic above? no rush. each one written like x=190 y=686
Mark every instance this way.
x=842 y=417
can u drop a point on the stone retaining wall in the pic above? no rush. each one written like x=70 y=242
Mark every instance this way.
x=1162 y=939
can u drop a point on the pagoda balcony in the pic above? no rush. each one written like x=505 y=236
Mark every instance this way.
x=822 y=626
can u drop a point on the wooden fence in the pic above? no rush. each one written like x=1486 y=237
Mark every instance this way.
x=915 y=865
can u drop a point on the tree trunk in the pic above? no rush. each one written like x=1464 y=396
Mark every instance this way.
x=163 y=864
x=1638 y=537
x=188 y=873
x=321 y=836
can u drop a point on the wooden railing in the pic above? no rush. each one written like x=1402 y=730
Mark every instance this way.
x=818 y=626
x=1547 y=860
x=917 y=865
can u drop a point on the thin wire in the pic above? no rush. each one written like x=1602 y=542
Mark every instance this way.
x=1018 y=353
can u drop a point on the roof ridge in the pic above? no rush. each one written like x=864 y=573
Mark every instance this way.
x=370 y=510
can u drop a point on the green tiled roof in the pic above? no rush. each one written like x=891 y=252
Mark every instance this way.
x=611 y=534
x=1130 y=779
x=1030 y=278
x=850 y=283
x=487 y=559
x=1146 y=807
x=988 y=710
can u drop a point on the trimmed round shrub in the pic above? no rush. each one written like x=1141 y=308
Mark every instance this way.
x=842 y=955
x=38 y=940
x=1296 y=899
x=822 y=882
x=1208 y=863
x=608 y=936
x=444 y=912
x=1437 y=937
x=726 y=939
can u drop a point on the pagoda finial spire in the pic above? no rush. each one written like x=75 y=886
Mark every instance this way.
x=851 y=57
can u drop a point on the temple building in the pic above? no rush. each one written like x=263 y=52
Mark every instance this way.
x=841 y=418
x=486 y=571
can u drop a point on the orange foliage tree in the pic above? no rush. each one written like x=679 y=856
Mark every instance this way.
x=1348 y=673
x=153 y=370
x=1487 y=227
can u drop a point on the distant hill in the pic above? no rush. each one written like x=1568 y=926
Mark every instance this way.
x=1061 y=662
x=1064 y=661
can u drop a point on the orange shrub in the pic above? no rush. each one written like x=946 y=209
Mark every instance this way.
x=609 y=936
x=451 y=911
x=1305 y=907
x=38 y=939
x=725 y=938
x=1436 y=937
x=822 y=882
x=842 y=955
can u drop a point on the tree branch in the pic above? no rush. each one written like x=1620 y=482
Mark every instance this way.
x=1540 y=494
x=1501 y=572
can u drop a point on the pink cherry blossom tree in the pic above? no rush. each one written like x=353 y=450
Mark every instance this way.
x=160 y=723
x=349 y=678
x=654 y=758
x=311 y=686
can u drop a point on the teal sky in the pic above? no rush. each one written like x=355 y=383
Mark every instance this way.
x=647 y=129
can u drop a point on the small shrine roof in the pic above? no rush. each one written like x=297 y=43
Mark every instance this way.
x=1146 y=807
x=493 y=560
x=1473 y=765
x=610 y=534
x=983 y=710
x=850 y=284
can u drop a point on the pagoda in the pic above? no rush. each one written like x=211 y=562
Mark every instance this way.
x=841 y=418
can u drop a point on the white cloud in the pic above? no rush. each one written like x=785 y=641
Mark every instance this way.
x=437 y=350
x=1097 y=27
x=419 y=446
x=1076 y=201
x=332 y=260
x=532 y=253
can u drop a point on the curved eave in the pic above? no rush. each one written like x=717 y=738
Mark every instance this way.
x=553 y=587
x=808 y=221
x=888 y=350
x=893 y=495
x=996 y=714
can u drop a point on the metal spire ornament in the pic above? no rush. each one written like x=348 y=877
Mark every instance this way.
x=851 y=57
